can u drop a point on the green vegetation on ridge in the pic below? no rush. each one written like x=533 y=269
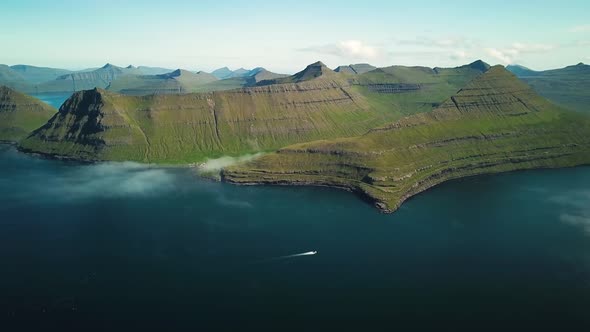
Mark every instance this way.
x=178 y=81
x=568 y=87
x=100 y=125
x=21 y=114
x=496 y=123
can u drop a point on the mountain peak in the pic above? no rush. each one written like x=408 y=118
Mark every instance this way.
x=176 y=73
x=359 y=68
x=312 y=71
x=222 y=73
x=479 y=65
x=317 y=64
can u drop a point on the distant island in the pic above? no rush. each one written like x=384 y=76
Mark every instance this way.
x=385 y=133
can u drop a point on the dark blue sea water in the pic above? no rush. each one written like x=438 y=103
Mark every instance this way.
x=53 y=99
x=122 y=246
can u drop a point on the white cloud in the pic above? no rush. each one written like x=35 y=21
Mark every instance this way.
x=454 y=48
x=532 y=48
x=350 y=49
x=443 y=42
x=459 y=55
x=580 y=28
x=509 y=55
x=357 y=49
x=502 y=56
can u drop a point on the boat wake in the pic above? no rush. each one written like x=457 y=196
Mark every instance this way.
x=309 y=253
x=280 y=258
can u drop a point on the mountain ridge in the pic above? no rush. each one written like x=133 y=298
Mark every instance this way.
x=568 y=87
x=191 y=127
x=496 y=123
x=21 y=114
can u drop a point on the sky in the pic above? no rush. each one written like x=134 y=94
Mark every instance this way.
x=284 y=36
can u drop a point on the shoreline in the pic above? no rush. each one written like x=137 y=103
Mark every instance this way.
x=221 y=177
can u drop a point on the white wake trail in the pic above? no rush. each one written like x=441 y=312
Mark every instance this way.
x=309 y=253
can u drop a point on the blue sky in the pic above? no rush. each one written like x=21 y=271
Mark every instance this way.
x=286 y=35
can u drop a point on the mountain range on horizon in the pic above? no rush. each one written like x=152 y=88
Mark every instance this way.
x=566 y=86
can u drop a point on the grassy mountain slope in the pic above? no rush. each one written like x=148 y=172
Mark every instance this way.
x=101 y=125
x=153 y=70
x=36 y=75
x=313 y=71
x=178 y=81
x=495 y=124
x=77 y=81
x=183 y=81
x=226 y=73
x=222 y=73
x=249 y=79
x=11 y=78
x=568 y=87
x=409 y=90
x=359 y=68
x=21 y=114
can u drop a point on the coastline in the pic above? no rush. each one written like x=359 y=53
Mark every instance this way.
x=380 y=204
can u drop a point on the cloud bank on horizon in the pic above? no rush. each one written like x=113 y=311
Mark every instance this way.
x=285 y=36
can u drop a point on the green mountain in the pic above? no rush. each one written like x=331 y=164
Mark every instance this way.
x=409 y=90
x=248 y=79
x=77 y=81
x=359 y=68
x=21 y=114
x=313 y=71
x=226 y=73
x=183 y=81
x=178 y=81
x=153 y=70
x=568 y=87
x=36 y=75
x=11 y=78
x=260 y=74
x=222 y=73
x=521 y=71
x=316 y=103
x=496 y=123
x=240 y=72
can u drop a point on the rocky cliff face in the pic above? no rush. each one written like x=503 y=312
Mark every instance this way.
x=20 y=114
x=99 y=125
x=494 y=124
